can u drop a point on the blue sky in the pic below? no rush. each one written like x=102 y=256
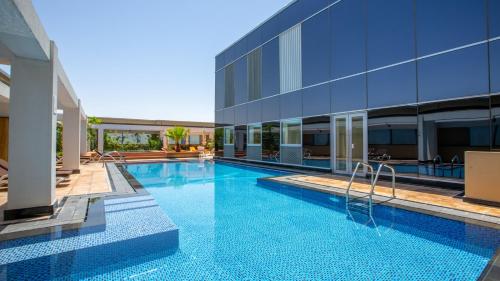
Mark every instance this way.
x=151 y=59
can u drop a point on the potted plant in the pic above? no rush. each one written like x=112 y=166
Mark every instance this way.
x=177 y=134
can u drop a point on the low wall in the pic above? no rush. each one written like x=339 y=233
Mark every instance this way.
x=482 y=176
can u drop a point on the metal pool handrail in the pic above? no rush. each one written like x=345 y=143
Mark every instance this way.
x=374 y=183
x=370 y=167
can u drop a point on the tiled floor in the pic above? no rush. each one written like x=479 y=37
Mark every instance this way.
x=421 y=194
x=92 y=179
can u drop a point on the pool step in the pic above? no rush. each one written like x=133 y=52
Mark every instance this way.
x=373 y=181
x=359 y=206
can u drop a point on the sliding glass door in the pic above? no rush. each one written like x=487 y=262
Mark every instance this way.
x=350 y=141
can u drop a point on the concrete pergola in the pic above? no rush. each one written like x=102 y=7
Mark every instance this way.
x=39 y=89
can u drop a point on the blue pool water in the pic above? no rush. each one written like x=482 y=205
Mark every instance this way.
x=231 y=228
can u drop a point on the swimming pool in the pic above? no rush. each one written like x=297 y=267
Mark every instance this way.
x=231 y=228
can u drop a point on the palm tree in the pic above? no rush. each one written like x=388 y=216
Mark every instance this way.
x=177 y=134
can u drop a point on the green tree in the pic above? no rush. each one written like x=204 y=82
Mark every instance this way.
x=92 y=132
x=177 y=134
x=154 y=142
x=59 y=138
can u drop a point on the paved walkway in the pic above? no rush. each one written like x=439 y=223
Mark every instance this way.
x=92 y=179
x=415 y=193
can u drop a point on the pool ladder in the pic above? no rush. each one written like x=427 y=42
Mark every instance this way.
x=353 y=203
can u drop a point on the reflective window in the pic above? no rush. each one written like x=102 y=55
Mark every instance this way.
x=348 y=94
x=229 y=88
x=229 y=116
x=254 y=39
x=219 y=141
x=316 y=100
x=240 y=114
x=443 y=25
x=271 y=109
x=291 y=132
x=270 y=68
x=219 y=118
x=494 y=17
x=291 y=105
x=219 y=89
x=290 y=60
x=348 y=38
x=220 y=61
x=495 y=66
x=393 y=138
x=316 y=141
x=456 y=74
x=316 y=49
x=228 y=135
x=270 y=28
x=448 y=130
x=271 y=141
x=495 y=121
x=254 y=74
x=240 y=141
x=239 y=48
x=240 y=81
x=254 y=134
x=310 y=7
x=391 y=29
x=395 y=85
x=254 y=112
x=229 y=55
x=292 y=15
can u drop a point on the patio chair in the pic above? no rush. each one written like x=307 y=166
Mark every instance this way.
x=59 y=172
x=4 y=176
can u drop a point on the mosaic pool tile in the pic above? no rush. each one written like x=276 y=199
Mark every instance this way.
x=127 y=234
x=231 y=228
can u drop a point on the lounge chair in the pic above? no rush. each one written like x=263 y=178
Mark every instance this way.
x=204 y=155
x=59 y=172
x=4 y=176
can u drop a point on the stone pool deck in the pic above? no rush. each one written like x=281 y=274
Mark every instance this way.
x=92 y=179
x=432 y=200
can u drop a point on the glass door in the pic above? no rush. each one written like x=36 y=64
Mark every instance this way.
x=350 y=141
x=341 y=140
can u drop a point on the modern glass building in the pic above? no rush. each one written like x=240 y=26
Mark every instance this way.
x=322 y=83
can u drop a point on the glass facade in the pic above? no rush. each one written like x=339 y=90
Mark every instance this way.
x=254 y=134
x=228 y=136
x=393 y=138
x=316 y=141
x=254 y=74
x=291 y=132
x=219 y=141
x=448 y=129
x=495 y=122
x=271 y=141
x=240 y=141
x=413 y=84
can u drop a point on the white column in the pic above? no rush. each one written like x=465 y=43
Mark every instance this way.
x=32 y=135
x=164 y=138
x=100 y=140
x=83 y=137
x=71 y=138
